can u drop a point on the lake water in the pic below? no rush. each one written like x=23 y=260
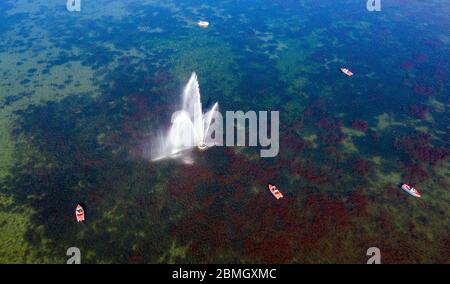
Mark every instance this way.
x=83 y=94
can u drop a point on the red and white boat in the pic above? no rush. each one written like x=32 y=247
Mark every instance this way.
x=275 y=191
x=346 y=71
x=203 y=24
x=79 y=213
x=411 y=190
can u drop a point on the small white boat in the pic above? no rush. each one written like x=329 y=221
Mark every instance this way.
x=203 y=24
x=410 y=190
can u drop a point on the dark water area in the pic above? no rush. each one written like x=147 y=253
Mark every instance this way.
x=83 y=94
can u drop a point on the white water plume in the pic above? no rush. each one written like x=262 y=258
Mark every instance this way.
x=189 y=125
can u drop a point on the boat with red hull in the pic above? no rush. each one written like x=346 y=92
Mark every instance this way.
x=346 y=71
x=79 y=213
x=274 y=190
x=410 y=190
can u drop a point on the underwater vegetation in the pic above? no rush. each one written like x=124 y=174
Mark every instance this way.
x=80 y=106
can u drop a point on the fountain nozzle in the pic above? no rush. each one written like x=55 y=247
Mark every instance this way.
x=202 y=147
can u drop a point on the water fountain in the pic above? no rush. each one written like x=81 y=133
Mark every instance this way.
x=189 y=126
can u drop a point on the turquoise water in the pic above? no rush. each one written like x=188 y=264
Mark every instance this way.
x=82 y=94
